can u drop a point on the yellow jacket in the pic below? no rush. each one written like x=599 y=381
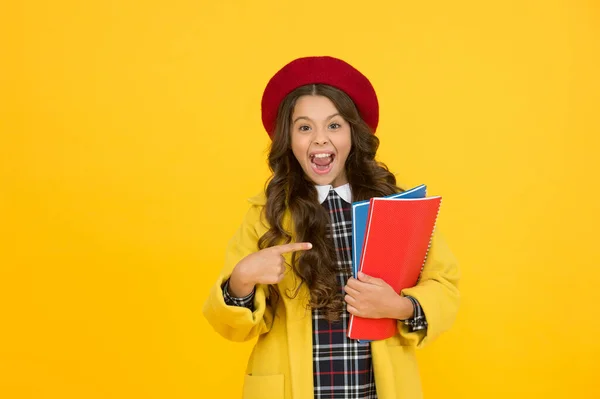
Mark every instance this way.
x=280 y=366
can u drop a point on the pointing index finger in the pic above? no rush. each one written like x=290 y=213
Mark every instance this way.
x=292 y=247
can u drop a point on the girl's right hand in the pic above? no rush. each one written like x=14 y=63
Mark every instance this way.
x=266 y=266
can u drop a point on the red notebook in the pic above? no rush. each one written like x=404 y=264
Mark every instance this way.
x=396 y=243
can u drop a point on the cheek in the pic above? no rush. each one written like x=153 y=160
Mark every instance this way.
x=299 y=146
x=344 y=143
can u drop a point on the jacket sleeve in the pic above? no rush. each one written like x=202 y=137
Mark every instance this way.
x=437 y=293
x=233 y=322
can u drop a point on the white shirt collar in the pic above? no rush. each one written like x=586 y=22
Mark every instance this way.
x=343 y=191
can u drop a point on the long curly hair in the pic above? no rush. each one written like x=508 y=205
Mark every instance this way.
x=289 y=188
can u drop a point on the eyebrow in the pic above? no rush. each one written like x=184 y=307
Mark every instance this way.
x=308 y=119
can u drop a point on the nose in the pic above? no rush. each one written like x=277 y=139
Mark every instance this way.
x=320 y=137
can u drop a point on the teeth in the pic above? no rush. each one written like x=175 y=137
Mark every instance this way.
x=321 y=155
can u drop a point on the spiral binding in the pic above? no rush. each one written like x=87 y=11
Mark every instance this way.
x=430 y=241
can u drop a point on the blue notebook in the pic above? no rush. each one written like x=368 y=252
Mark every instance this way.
x=360 y=212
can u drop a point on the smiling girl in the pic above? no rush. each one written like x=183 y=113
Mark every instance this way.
x=287 y=277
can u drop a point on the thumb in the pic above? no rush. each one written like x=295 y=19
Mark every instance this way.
x=366 y=278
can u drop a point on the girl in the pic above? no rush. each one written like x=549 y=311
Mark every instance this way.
x=287 y=275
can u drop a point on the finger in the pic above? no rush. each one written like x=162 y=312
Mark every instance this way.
x=278 y=272
x=369 y=279
x=349 y=300
x=273 y=279
x=292 y=247
x=354 y=284
x=282 y=268
x=280 y=278
x=351 y=291
x=352 y=310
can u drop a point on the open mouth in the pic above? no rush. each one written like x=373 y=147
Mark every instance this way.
x=322 y=162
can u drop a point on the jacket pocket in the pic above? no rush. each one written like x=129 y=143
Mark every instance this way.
x=263 y=387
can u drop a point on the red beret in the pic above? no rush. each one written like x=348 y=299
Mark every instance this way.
x=325 y=70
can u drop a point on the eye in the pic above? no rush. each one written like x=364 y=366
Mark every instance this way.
x=334 y=125
x=304 y=128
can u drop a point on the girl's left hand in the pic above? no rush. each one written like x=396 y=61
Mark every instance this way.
x=373 y=298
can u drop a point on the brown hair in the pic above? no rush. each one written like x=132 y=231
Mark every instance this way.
x=289 y=188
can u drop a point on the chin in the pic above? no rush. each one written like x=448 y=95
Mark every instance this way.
x=324 y=180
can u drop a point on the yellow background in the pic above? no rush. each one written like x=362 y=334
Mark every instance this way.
x=131 y=136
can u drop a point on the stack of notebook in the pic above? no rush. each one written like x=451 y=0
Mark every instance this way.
x=391 y=238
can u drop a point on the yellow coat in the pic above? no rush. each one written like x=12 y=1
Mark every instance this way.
x=280 y=366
